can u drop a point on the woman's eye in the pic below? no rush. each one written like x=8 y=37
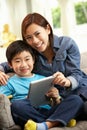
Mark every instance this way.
x=37 y=33
x=28 y=38
x=27 y=59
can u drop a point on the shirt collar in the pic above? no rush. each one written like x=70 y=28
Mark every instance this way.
x=56 y=45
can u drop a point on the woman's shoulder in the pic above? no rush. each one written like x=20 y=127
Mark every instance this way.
x=64 y=42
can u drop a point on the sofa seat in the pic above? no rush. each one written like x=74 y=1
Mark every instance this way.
x=81 y=125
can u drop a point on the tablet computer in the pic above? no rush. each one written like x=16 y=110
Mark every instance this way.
x=38 y=89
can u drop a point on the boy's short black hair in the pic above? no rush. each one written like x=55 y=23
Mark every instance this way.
x=17 y=47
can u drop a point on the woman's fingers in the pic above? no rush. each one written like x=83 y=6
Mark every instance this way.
x=3 y=78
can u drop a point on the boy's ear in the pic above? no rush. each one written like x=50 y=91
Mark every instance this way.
x=10 y=65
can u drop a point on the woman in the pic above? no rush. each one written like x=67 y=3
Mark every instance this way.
x=59 y=55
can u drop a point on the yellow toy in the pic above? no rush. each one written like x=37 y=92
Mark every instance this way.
x=7 y=36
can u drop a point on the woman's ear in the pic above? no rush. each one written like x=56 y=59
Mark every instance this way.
x=48 y=28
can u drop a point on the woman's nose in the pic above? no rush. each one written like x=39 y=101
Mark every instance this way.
x=35 y=39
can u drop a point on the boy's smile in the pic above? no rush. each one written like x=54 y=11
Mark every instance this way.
x=22 y=64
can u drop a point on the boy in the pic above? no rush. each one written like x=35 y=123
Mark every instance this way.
x=21 y=59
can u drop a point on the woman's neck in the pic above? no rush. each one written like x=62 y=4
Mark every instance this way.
x=49 y=54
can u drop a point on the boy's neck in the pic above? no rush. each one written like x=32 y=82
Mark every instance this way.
x=32 y=75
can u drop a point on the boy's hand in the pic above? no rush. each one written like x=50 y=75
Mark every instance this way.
x=53 y=94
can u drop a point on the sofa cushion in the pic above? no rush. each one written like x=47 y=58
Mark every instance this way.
x=83 y=64
x=6 y=120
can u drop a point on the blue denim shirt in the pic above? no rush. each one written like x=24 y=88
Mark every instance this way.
x=66 y=60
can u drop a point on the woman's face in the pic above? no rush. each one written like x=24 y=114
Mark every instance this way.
x=37 y=37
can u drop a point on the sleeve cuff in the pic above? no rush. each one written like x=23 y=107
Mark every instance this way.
x=73 y=82
x=1 y=68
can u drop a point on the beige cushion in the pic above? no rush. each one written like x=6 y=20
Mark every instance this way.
x=6 y=120
x=83 y=64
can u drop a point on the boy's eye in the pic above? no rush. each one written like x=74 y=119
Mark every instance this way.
x=17 y=61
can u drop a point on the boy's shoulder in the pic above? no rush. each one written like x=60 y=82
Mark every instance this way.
x=12 y=77
x=11 y=74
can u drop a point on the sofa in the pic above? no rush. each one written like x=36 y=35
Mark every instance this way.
x=80 y=125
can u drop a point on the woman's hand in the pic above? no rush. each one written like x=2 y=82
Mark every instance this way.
x=54 y=96
x=61 y=80
x=3 y=78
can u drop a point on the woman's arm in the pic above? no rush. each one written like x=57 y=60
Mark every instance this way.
x=4 y=69
x=3 y=78
x=71 y=60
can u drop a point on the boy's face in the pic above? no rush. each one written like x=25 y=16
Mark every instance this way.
x=23 y=64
